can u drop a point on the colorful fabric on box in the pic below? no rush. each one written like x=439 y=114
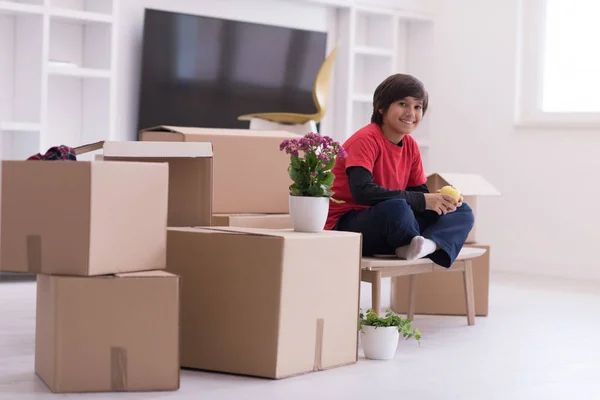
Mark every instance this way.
x=61 y=152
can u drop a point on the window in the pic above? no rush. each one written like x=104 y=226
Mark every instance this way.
x=559 y=75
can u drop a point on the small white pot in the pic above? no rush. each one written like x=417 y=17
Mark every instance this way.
x=380 y=343
x=309 y=214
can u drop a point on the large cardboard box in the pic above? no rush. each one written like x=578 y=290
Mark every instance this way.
x=109 y=333
x=471 y=186
x=83 y=218
x=250 y=172
x=443 y=292
x=190 y=175
x=266 y=303
x=263 y=221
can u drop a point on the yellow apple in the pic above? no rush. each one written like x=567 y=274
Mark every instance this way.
x=452 y=191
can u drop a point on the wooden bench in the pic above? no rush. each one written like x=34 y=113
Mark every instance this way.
x=376 y=268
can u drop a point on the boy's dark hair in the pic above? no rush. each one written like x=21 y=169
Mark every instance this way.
x=394 y=88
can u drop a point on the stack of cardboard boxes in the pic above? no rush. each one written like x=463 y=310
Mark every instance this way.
x=107 y=313
x=263 y=302
x=443 y=292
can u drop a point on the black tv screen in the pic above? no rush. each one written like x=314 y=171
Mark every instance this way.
x=205 y=72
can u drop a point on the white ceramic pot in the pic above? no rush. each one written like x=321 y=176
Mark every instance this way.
x=308 y=214
x=379 y=343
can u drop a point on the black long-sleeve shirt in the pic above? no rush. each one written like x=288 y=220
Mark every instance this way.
x=365 y=191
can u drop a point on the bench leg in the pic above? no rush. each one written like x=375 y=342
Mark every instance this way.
x=469 y=292
x=376 y=293
x=412 y=296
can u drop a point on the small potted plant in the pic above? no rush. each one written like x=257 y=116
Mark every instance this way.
x=379 y=335
x=312 y=158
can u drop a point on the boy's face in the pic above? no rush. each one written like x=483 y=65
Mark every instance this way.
x=403 y=116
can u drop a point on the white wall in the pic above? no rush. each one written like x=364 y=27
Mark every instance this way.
x=131 y=18
x=547 y=221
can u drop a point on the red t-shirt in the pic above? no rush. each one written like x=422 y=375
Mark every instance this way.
x=393 y=167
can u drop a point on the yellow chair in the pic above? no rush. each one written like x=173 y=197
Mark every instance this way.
x=320 y=97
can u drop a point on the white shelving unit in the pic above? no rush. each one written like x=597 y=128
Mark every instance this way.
x=57 y=74
x=374 y=44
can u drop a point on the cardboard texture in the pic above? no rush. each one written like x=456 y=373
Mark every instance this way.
x=471 y=186
x=443 y=292
x=190 y=175
x=264 y=221
x=266 y=303
x=107 y=334
x=83 y=218
x=239 y=154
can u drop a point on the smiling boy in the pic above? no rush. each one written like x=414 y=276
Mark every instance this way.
x=383 y=184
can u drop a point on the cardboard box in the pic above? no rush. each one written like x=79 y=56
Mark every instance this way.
x=83 y=218
x=190 y=175
x=263 y=221
x=443 y=292
x=471 y=186
x=239 y=154
x=109 y=333
x=266 y=303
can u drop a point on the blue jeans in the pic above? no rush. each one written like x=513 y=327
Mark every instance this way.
x=393 y=223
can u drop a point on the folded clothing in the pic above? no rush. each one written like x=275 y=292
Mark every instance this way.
x=61 y=152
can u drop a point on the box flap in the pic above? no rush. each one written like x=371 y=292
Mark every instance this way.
x=468 y=184
x=248 y=215
x=88 y=148
x=157 y=149
x=282 y=233
x=187 y=130
x=213 y=230
x=146 y=274
x=279 y=233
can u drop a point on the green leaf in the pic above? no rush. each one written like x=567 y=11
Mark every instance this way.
x=330 y=164
x=328 y=179
x=312 y=160
x=295 y=161
x=295 y=174
x=317 y=191
x=294 y=190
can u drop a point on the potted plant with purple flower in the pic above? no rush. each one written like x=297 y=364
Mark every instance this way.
x=312 y=158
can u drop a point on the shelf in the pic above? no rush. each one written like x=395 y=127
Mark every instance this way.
x=12 y=126
x=374 y=10
x=363 y=98
x=85 y=49
x=361 y=116
x=21 y=53
x=9 y=7
x=415 y=16
x=370 y=72
x=78 y=110
x=373 y=51
x=104 y=7
x=82 y=17
x=371 y=27
x=79 y=72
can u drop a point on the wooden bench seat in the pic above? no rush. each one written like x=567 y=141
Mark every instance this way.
x=376 y=268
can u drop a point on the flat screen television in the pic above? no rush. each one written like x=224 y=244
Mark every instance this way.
x=205 y=72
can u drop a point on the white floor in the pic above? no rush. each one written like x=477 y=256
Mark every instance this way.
x=540 y=341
